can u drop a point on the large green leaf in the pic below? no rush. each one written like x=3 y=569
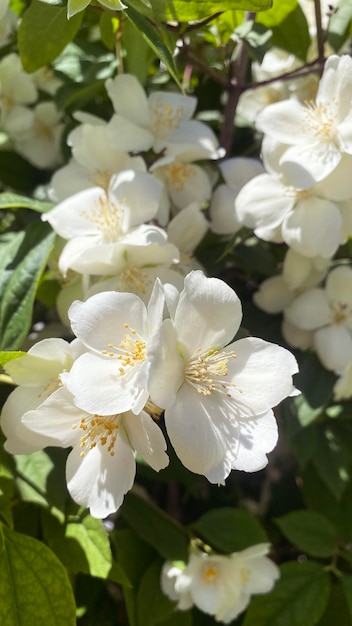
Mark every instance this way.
x=332 y=459
x=40 y=477
x=299 y=598
x=155 y=527
x=152 y=38
x=310 y=531
x=229 y=530
x=186 y=10
x=292 y=33
x=34 y=587
x=337 y=611
x=277 y=13
x=139 y=54
x=23 y=258
x=44 y=32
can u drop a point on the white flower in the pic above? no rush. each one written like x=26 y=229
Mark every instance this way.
x=328 y=312
x=236 y=173
x=217 y=399
x=116 y=328
x=185 y=182
x=101 y=467
x=319 y=133
x=38 y=374
x=220 y=585
x=17 y=89
x=343 y=385
x=161 y=122
x=41 y=144
x=99 y=225
x=94 y=161
x=8 y=22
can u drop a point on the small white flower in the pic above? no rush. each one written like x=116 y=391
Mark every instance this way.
x=41 y=144
x=217 y=397
x=101 y=467
x=220 y=585
x=318 y=133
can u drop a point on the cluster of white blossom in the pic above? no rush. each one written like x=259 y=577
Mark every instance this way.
x=30 y=122
x=103 y=393
x=219 y=585
x=304 y=199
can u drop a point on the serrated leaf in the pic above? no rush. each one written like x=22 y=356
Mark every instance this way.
x=20 y=280
x=310 y=532
x=34 y=587
x=155 y=527
x=229 y=530
x=299 y=597
x=152 y=38
x=44 y=32
x=152 y=605
x=15 y=201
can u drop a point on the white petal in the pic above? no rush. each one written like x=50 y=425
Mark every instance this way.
x=304 y=166
x=201 y=432
x=128 y=98
x=138 y=193
x=284 y=121
x=128 y=136
x=257 y=437
x=98 y=480
x=334 y=347
x=222 y=211
x=75 y=216
x=313 y=228
x=263 y=202
x=208 y=314
x=262 y=373
x=310 y=310
x=273 y=295
x=339 y=286
x=166 y=366
x=147 y=439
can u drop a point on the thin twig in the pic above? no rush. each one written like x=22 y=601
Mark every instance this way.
x=320 y=32
x=237 y=74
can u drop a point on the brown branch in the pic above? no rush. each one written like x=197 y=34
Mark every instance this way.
x=320 y=32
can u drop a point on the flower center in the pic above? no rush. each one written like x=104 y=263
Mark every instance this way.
x=178 y=174
x=107 y=218
x=340 y=312
x=133 y=280
x=164 y=118
x=101 y=178
x=208 y=372
x=98 y=429
x=210 y=575
x=319 y=120
x=130 y=352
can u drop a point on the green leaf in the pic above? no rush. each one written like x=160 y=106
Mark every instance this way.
x=5 y=357
x=180 y=618
x=346 y=581
x=134 y=556
x=292 y=34
x=34 y=587
x=299 y=598
x=155 y=527
x=40 y=477
x=140 y=55
x=108 y=28
x=23 y=267
x=229 y=530
x=332 y=460
x=310 y=532
x=339 y=25
x=83 y=546
x=277 y=13
x=152 y=605
x=315 y=382
x=15 y=201
x=305 y=413
x=11 y=164
x=185 y=10
x=150 y=35
x=44 y=32
x=337 y=611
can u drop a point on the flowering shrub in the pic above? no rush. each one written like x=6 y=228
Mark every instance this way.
x=176 y=313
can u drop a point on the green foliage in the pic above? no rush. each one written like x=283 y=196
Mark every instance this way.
x=185 y=10
x=5 y=357
x=44 y=32
x=168 y=537
x=340 y=25
x=34 y=587
x=310 y=532
x=153 y=607
x=229 y=530
x=299 y=597
x=23 y=258
x=15 y=201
